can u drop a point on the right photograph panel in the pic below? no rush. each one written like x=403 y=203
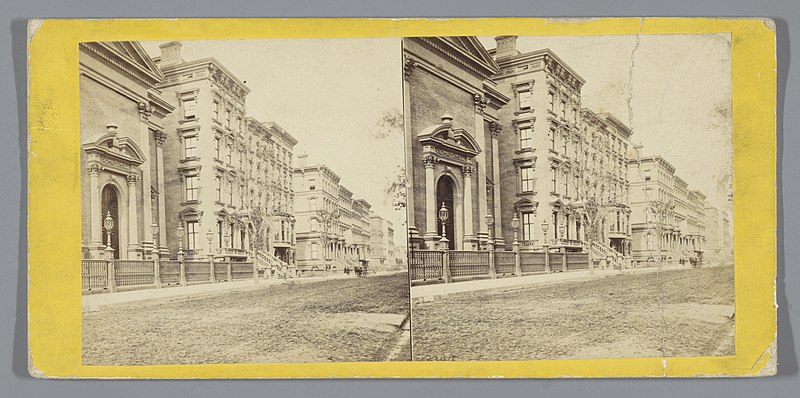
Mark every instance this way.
x=572 y=196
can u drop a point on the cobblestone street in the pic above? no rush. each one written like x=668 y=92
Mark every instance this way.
x=612 y=317
x=353 y=319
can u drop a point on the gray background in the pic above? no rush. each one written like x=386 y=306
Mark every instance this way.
x=13 y=177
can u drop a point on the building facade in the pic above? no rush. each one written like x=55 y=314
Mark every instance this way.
x=500 y=139
x=332 y=229
x=226 y=174
x=122 y=120
x=668 y=220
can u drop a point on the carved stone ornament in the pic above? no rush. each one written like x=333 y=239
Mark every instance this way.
x=94 y=169
x=495 y=128
x=161 y=137
x=429 y=161
x=132 y=179
x=145 y=111
x=467 y=170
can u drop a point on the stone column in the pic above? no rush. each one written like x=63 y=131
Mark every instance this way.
x=498 y=215
x=431 y=237
x=133 y=217
x=469 y=236
x=481 y=102
x=145 y=111
x=161 y=138
x=95 y=223
x=408 y=67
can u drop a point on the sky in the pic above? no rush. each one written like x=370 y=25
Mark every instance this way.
x=330 y=95
x=673 y=90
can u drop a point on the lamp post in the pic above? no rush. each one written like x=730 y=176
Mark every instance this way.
x=155 y=254
x=489 y=223
x=444 y=214
x=108 y=223
x=545 y=246
x=561 y=231
x=180 y=233
x=515 y=226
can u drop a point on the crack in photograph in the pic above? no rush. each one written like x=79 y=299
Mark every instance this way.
x=242 y=202
x=572 y=196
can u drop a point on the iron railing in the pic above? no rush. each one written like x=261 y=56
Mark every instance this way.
x=426 y=265
x=94 y=274
x=197 y=271
x=505 y=263
x=170 y=272
x=469 y=263
x=531 y=262
x=134 y=272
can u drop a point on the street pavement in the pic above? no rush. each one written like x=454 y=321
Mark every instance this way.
x=433 y=292
x=95 y=302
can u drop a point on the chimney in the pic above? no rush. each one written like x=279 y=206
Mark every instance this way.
x=302 y=160
x=171 y=53
x=506 y=46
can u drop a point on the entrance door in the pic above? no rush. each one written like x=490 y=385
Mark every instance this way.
x=444 y=194
x=110 y=204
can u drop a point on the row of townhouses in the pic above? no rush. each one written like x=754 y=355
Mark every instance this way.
x=172 y=162
x=501 y=141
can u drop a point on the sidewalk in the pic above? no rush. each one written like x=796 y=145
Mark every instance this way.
x=95 y=302
x=428 y=293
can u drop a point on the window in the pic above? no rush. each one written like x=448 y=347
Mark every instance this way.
x=555 y=225
x=189 y=108
x=528 y=226
x=525 y=138
x=552 y=102
x=239 y=123
x=231 y=236
x=312 y=203
x=553 y=178
x=553 y=139
x=564 y=146
x=191 y=187
x=230 y=192
x=312 y=184
x=526 y=178
x=216 y=110
x=313 y=225
x=647 y=175
x=525 y=100
x=227 y=117
x=564 y=110
x=229 y=152
x=219 y=188
x=216 y=148
x=190 y=147
x=314 y=250
x=219 y=233
x=191 y=235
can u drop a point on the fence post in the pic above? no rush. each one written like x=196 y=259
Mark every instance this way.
x=564 y=261
x=255 y=273
x=112 y=276
x=517 y=262
x=492 y=270
x=157 y=270
x=547 y=261
x=182 y=267
x=212 y=277
x=229 y=268
x=591 y=261
x=446 y=265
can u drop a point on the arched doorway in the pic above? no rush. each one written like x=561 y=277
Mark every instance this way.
x=444 y=195
x=110 y=204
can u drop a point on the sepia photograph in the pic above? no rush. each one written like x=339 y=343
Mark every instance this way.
x=572 y=196
x=242 y=202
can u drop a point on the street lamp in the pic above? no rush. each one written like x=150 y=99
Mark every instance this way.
x=544 y=235
x=210 y=237
x=180 y=232
x=489 y=224
x=515 y=225
x=444 y=214
x=154 y=232
x=108 y=223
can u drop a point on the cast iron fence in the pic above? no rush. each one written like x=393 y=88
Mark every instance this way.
x=469 y=263
x=505 y=263
x=426 y=265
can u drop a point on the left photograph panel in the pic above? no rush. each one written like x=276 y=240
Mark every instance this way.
x=243 y=201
